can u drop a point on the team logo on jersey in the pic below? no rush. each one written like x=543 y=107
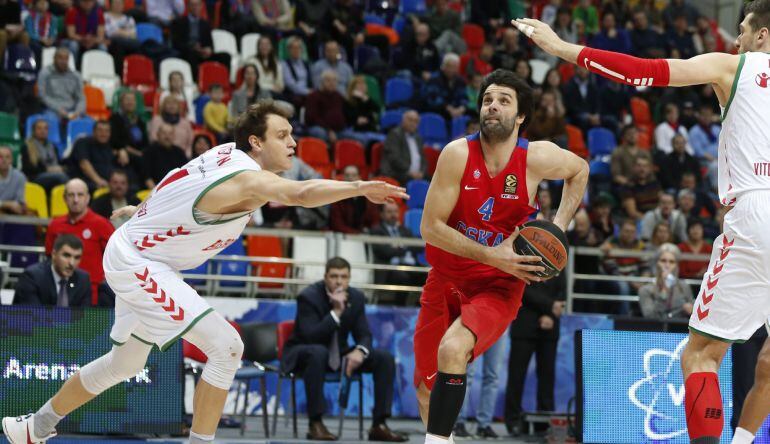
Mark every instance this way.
x=219 y=244
x=87 y=234
x=761 y=79
x=476 y=174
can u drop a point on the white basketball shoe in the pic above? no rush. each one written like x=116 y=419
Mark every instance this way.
x=21 y=430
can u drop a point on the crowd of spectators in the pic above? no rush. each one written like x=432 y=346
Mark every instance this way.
x=322 y=60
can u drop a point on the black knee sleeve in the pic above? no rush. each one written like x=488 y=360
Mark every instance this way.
x=446 y=400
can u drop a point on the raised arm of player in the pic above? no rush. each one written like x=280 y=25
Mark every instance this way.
x=441 y=199
x=714 y=68
x=545 y=160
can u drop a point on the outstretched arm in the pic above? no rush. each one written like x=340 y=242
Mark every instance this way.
x=716 y=68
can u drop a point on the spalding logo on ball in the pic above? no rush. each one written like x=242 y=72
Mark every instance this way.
x=544 y=239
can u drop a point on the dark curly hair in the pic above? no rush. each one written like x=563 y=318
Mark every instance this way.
x=524 y=94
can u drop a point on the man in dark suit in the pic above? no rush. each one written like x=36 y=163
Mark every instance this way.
x=57 y=281
x=402 y=157
x=327 y=312
x=535 y=330
x=117 y=197
x=395 y=253
x=191 y=36
x=583 y=103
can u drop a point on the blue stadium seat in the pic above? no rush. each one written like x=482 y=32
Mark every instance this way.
x=373 y=18
x=54 y=134
x=233 y=268
x=149 y=31
x=391 y=118
x=458 y=126
x=398 y=24
x=412 y=7
x=601 y=141
x=397 y=91
x=417 y=189
x=82 y=127
x=363 y=54
x=200 y=103
x=599 y=169
x=200 y=269
x=433 y=129
x=412 y=219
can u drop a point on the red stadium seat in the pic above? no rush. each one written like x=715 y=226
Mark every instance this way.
x=315 y=153
x=139 y=73
x=474 y=37
x=210 y=73
x=267 y=246
x=576 y=142
x=350 y=152
x=431 y=158
x=376 y=157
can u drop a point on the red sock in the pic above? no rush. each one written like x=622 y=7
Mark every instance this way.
x=703 y=404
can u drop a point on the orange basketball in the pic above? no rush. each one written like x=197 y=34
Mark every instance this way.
x=544 y=239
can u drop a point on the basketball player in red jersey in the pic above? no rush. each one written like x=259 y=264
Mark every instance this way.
x=483 y=188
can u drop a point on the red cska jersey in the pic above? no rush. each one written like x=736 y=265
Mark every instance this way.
x=487 y=210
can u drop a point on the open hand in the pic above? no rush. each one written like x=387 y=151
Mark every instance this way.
x=503 y=257
x=540 y=33
x=381 y=192
x=126 y=211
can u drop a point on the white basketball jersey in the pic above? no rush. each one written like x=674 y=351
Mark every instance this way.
x=166 y=229
x=744 y=143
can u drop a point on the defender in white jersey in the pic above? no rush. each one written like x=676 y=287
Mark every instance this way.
x=191 y=215
x=734 y=298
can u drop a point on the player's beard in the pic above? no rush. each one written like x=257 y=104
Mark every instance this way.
x=499 y=130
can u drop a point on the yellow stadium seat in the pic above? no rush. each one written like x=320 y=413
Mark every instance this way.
x=100 y=192
x=58 y=206
x=143 y=194
x=36 y=199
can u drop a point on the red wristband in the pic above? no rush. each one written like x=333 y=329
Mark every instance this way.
x=625 y=68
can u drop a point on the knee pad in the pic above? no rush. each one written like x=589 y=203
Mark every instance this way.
x=121 y=363
x=223 y=347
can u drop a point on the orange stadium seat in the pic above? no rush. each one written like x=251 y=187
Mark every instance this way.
x=576 y=142
x=315 y=153
x=350 y=152
x=640 y=110
x=267 y=246
x=95 y=104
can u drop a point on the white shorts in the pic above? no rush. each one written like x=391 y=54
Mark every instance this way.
x=734 y=297
x=153 y=303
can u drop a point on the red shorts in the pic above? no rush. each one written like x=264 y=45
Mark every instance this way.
x=486 y=307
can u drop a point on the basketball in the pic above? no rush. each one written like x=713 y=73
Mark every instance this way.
x=544 y=239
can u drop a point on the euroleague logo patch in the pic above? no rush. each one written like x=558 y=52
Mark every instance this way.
x=509 y=189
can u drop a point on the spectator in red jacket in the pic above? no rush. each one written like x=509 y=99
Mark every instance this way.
x=325 y=109
x=353 y=215
x=93 y=230
x=85 y=28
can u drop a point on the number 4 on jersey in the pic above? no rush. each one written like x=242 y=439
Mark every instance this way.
x=486 y=209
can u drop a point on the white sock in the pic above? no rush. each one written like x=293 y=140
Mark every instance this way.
x=45 y=420
x=197 y=438
x=433 y=439
x=742 y=436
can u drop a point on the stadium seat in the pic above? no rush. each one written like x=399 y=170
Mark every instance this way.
x=406 y=7
x=398 y=24
x=640 y=110
x=267 y=246
x=372 y=18
x=567 y=70
x=198 y=283
x=249 y=45
x=391 y=118
x=36 y=198
x=539 y=69
x=99 y=192
x=200 y=103
x=309 y=249
x=54 y=135
x=224 y=41
x=376 y=157
x=143 y=194
x=599 y=169
x=431 y=158
x=362 y=55
x=417 y=190
x=171 y=64
x=383 y=30
x=232 y=268
x=316 y=154
x=473 y=35
x=398 y=92
x=576 y=142
x=149 y=31
x=644 y=140
x=373 y=88
x=46 y=58
x=77 y=128
x=458 y=126
x=9 y=135
x=350 y=152
x=98 y=70
x=433 y=130
x=355 y=253
x=412 y=220
x=139 y=73
x=141 y=109
x=213 y=72
x=601 y=141
x=96 y=106
x=58 y=206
